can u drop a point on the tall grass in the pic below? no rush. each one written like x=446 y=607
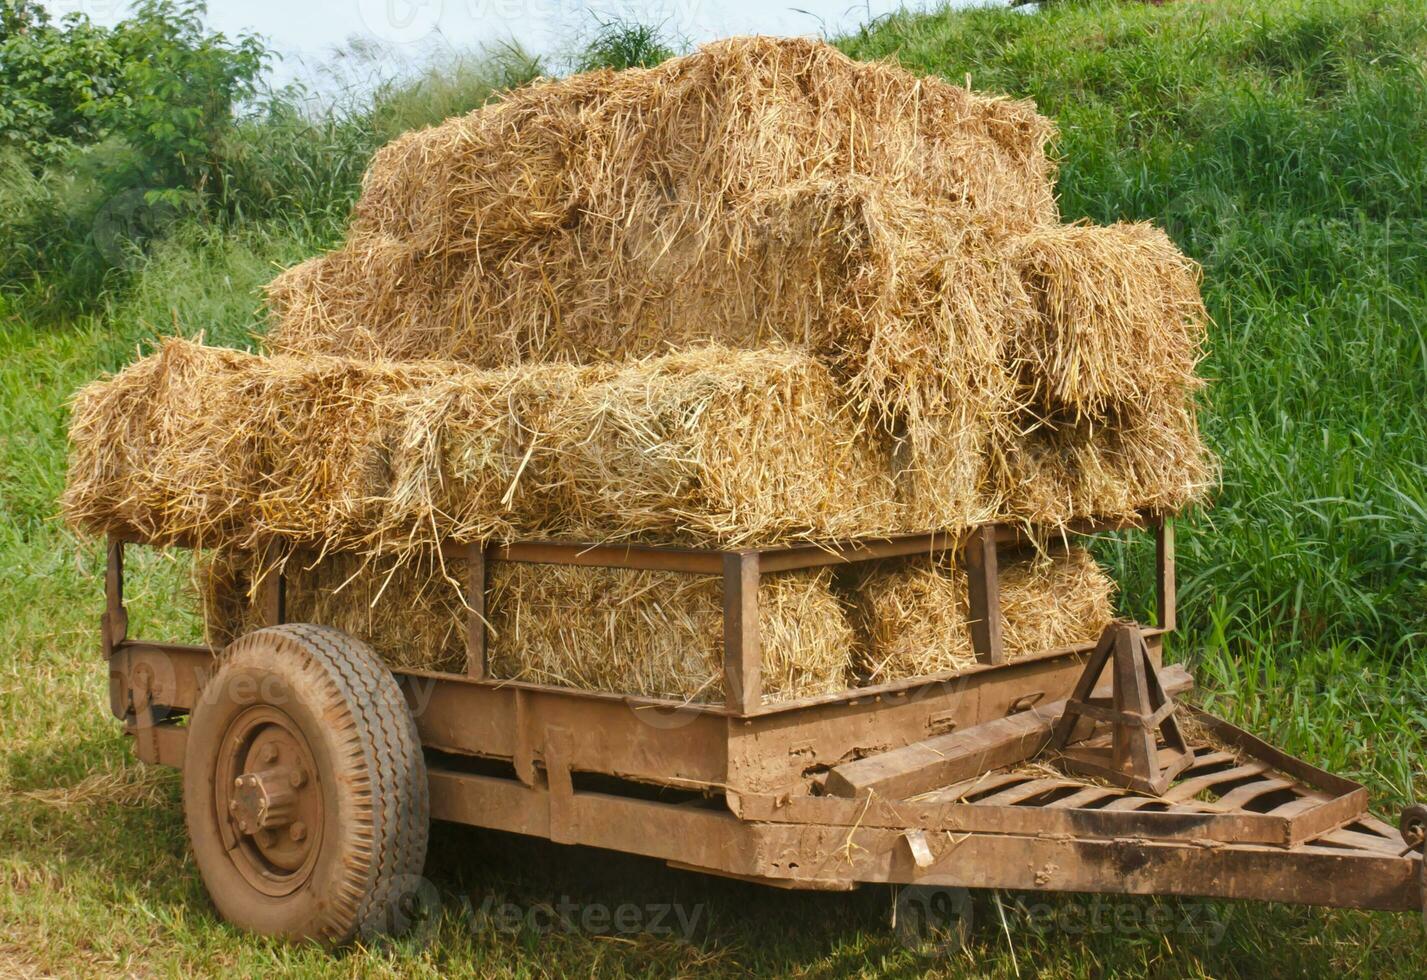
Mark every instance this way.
x=299 y=162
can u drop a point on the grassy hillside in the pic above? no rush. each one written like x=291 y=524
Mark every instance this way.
x=1283 y=145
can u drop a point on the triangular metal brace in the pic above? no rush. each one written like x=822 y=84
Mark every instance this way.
x=1137 y=709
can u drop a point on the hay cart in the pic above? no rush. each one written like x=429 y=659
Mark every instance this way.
x=311 y=771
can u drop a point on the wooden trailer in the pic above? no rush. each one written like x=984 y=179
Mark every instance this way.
x=312 y=771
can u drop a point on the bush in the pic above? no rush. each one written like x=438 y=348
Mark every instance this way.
x=107 y=137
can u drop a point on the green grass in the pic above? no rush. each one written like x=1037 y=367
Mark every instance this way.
x=1283 y=145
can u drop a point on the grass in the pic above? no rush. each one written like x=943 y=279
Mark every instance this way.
x=1283 y=144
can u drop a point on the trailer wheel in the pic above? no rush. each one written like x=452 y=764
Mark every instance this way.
x=304 y=788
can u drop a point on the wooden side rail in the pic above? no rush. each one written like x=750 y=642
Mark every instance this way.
x=741 y=572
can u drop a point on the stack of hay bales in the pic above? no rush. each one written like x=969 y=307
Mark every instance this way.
x=706 y=446
x=754 y=295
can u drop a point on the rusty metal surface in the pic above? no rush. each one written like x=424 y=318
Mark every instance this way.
x=816 y=855
x=1279 y=829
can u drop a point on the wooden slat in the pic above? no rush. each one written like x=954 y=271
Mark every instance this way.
x=815 y=556
x=476 y=611
x=1365 y=842
x=1164 y=573
x=1015 y=794
x=983 y=586
x=1130 y=802
x=690 y=560
x=984 y=783
x=1087 y=795
x=1237 y=799
x=1209 y=759
x=911 y=685
x=1189 y=788
x=947 y=759
x=742 y=656
x=1299 y=805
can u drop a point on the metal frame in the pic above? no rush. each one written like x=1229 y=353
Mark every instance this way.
x=729 y=789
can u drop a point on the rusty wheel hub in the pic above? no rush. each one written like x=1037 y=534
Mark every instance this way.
x=270 y=803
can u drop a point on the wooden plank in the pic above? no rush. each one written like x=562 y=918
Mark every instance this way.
x=690 y=560
x=272 y=597
x=1320 y=779
x=939 y=813
x=1193 y=786
x=114 y=624
x=985 y=783
x=915 y=685
x=1210 y=759
x=1016 y=794
x=476 y=611
x=1242 y=796
x=742 y=653
x=1087 y=795
x=1365 y=842
x=1164 y=573
x=1131 y=802
x=816 y=556
x=945 y=759
x=983 y=586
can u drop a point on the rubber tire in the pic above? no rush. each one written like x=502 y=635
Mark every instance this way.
x=363 y=740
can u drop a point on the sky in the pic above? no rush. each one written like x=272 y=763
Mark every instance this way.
x=305 y=33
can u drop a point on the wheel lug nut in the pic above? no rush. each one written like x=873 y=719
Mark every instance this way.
x=232 y=806
x=298 y=831
x=298 y=779
x=270 y=752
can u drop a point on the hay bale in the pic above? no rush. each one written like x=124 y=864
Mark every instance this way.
x=153 y=453
x=339 y=290
x=1149 y=457
x=658 y=634
x=1054 y=600
x=913 y=618
x=708 y=447
x=1118 y=317
x=911 y=305
x=408 y=611
x=661 y=633
x=712 y=445
x=914 y=614
x=907 y=303
x=591 y=217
